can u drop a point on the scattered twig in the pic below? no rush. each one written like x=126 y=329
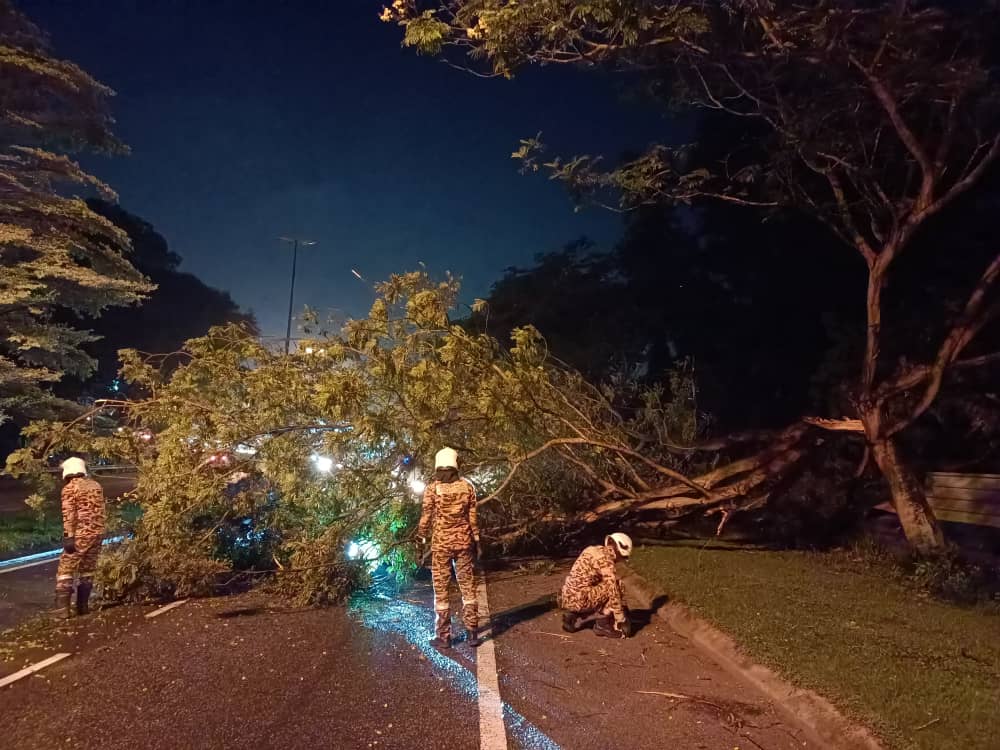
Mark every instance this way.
x=557 y=635
x=551 y=685
x=618 y=664
x=722 y=523
x=930 y=723
x=746 y=736
x=681 y=697
x=678 y=696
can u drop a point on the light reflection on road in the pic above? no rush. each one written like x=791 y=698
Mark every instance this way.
x=385 y=611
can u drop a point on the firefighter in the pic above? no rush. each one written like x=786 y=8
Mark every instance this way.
x=83 y=515
x=448 y=519
x=593 y=593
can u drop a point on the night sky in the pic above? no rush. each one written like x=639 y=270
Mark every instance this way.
x=250 y=120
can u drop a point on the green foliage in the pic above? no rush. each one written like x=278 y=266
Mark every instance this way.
x=821 y=506
x=56 y=255
x=265 y=463
x=426 y=34
x=508 y=35
x=761 y=63
x=24 y=531
x=949 y=576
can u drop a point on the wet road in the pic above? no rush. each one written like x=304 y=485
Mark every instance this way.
x=243 y=672
x=654 y=690
x=25 y=592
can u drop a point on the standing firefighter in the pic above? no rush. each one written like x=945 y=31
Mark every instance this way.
x=592 y=591
x=83 y=534
x=449 y=519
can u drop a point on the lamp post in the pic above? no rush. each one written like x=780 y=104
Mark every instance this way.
x=294 y=242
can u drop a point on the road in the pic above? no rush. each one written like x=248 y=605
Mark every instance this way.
x=25 y=592
x=246 y=671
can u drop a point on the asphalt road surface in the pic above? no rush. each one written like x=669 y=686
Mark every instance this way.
x=25 y=592
x=247 y=671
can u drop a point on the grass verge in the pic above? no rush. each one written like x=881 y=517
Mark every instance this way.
x=23 y=532
x=925 y=675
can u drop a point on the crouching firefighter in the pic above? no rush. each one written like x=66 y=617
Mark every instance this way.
x=83 y=514
x=449 y=520
x=592 y=592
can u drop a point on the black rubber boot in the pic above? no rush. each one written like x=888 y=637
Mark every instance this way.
x=61 y=609
x=605 y=627
x=83 y=597
x=472 y=638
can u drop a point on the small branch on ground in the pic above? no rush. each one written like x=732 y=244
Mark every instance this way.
x=681 y=697
x=930 y=723
x=557 y=635
x=722 y=523
x=746 y=736
x=551 y=685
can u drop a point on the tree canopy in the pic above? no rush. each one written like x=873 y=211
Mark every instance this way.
x=871 y=118
x=61 y=263
x=182 y=307
x=711 y=287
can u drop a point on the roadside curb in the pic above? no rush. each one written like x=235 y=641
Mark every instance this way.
x=809 y=709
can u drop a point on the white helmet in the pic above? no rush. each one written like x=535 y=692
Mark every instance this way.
x=622 y=543
x=73 y=466
x=446 y=458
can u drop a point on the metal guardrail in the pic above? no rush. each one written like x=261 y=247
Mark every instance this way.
x=37 y=558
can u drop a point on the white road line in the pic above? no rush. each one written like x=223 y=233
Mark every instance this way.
x=492 y=733
x=165 y=608
x=22 y=566
x=32 y=669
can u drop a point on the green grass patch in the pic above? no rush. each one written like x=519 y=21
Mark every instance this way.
x=924 y=674
x=23 y=532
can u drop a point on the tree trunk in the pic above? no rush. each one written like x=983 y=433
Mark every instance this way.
x=915 y=515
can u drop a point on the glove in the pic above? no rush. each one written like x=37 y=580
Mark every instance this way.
x=624 y=627
x=69 y=544
x=421 y=549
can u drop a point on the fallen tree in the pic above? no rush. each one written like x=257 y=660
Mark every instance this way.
x=253 y=460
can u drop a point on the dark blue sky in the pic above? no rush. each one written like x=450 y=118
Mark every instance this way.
x=249 y=120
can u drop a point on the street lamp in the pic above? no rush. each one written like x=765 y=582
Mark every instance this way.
x=294 y=242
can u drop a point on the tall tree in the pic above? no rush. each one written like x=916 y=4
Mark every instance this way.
x=182 y=307
x=873 y=118
x=576 y=297
x=710 y=287
x=56 y=254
